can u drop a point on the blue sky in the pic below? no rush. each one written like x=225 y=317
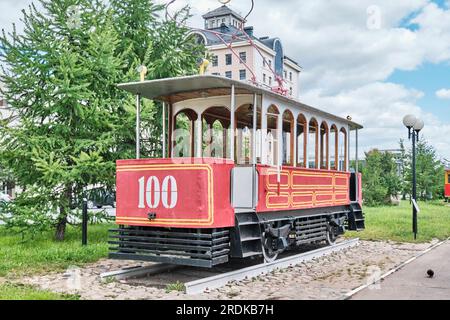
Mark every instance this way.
x=428 y=78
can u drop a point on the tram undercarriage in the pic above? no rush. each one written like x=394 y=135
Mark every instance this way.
x=253 y=236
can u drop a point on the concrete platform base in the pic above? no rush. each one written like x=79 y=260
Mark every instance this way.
x=412 y=282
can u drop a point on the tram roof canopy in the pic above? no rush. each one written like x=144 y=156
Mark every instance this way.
x=200 y=86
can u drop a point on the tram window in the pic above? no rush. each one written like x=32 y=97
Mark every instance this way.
x=342 y=150
x=215 y=122
x=272 y=128
x=448 y=178
x=213 y=140
x=313 y=145
x=301 y=141
x=333 y=148
x=184 y=134
x=288 y=141
x=324 y=148
x=244 y=145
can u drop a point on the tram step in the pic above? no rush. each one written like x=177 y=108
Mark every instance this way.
x=246 y=236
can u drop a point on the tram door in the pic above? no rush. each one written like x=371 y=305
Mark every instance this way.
x=244 y=188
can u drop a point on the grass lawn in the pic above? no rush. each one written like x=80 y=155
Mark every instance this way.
x=395 y=223
x=43 y=254
x=10 y=291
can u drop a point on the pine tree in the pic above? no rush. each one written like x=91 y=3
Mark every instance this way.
x=60 y=77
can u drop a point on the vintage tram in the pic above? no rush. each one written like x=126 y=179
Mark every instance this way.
x=246 y=172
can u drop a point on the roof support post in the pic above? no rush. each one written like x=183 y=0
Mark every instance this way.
x=255 y=127
x=198 y=137
x=138 y=126
x=264 y=141
x=308 y=141
x=164 y=130
x=280 y=139
x=294 y=143
x=356 y=164
x=232 y=122
x=347 y=153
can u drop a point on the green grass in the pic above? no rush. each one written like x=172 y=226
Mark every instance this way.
x=10 y=291
x=395 y=223
x=43 y=254
x=177 y=286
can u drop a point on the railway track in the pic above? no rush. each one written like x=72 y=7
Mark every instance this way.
x=197 y=281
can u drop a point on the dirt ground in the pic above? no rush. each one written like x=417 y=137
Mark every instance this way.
x=329 y=277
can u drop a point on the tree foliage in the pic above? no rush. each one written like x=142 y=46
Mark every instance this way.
x=429 y=173
x=60 y=76
x=380 y=178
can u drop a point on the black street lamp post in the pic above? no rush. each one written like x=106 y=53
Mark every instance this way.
x=414 y=126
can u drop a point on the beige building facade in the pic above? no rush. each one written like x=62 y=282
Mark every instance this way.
x=262 y=61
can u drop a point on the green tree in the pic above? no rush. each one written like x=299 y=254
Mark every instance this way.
x=60 y=77
x=380 y=178
x=429 y=172
x=403 y=158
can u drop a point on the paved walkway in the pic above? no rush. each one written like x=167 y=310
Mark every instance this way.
x=412 y=282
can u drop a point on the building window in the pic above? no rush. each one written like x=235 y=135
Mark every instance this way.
x=215 y=61
x=264 y=78
x=2 y=103
x=228 y=59
x=213 y=23
x=264 y=62
x=242 y=74
x=290 y=91
x=229 y=74
x=223 y=20
x=216 y=74
x=290 y=76
x=285 y=74
x=243 y=56
x=270 y=63
x=270 y=81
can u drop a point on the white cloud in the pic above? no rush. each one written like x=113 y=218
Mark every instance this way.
x=346 y=64
x=443 y=93
x=381 y=106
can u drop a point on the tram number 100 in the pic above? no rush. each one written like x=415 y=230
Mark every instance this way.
x=152 y=194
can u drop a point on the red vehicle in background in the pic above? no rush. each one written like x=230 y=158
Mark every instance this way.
x=447 y=184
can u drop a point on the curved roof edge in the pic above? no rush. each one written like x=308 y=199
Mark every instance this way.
x=159 y=89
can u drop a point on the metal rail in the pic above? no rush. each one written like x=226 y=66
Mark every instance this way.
x=214 y=282
x=138 y=271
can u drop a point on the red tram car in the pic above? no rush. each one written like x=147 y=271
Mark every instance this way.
x=447 y=184
x=246 y=172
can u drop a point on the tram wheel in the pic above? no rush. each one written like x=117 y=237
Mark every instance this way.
x=331 y=235
x=269 y=254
